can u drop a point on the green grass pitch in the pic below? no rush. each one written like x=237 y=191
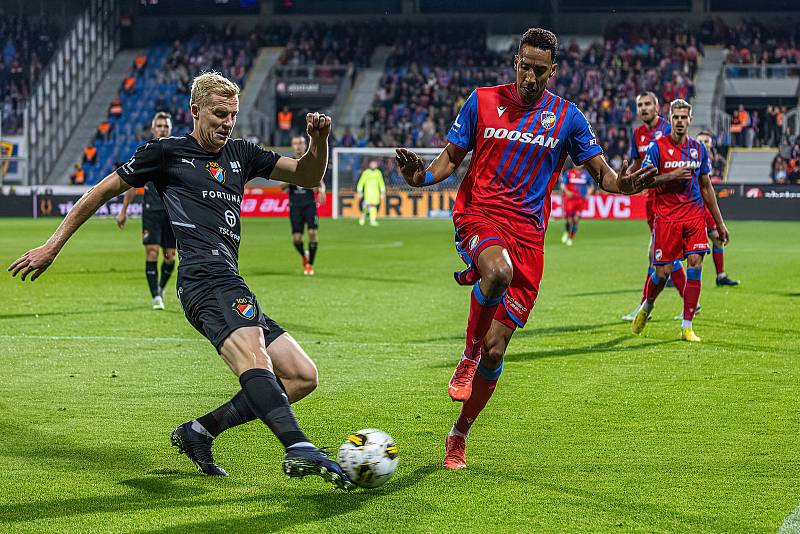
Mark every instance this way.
x=591 y=428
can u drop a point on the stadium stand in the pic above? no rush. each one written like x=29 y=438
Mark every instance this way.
x=26 y=45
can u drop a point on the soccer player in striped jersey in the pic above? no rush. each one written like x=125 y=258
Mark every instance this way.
x=520 y=134
x=679 y=229
x=576 y=188
x=717 y=247
x=652 y=128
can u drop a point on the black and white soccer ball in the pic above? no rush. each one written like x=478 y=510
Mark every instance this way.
x=369 y=457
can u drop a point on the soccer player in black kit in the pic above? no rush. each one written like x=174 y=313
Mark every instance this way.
x=156 y=228
x=303 y=212
x=201 y=178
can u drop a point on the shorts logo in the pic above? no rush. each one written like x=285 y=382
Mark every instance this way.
x=244 y=307
x=700 y=245
x=548 y=119
x=472 y=242
x=658 y=254
x=216 y=172
x=145 y=234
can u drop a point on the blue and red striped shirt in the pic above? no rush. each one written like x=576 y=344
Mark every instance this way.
x=678 y=200
x=518 y=151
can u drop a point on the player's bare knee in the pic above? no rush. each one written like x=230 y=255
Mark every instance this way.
x=169 y=256
x=499 y=274
x=152 y=253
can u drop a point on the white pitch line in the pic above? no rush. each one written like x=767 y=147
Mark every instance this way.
x=201 y=340
x=791 y=525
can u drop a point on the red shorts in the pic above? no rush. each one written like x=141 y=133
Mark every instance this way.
x=711 y=224
x=574 y=205
x=674 y=240
x=648 y=208
x=473 y=235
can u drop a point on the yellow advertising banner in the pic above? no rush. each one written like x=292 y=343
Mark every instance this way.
x=403 y=204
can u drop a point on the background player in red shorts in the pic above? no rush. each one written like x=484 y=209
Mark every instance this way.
x=520 y=135
x=576 y=187
x=679 y=229
x=717 y=247
x=653 y=127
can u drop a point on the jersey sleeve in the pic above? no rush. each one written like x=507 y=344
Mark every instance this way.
x=260 y=162
x=634 y=153
x=462 y=132
x=581 y=141
x=144 y=166
x=705 y=165
x=381 y=183
x=652 y=156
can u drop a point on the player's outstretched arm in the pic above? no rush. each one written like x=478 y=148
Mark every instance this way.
x=683 y=173
x=710 y=198
x=413 y=169
x=310 y=168
x=626 y=182
x=37 y=260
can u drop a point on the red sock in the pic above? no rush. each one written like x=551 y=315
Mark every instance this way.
x=482 y=389
x=679 y=280
x=691 y=295
x=654 y=287
x=719 y=259
x=481 y=313
x=650 y=272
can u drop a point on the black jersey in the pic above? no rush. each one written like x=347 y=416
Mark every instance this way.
x=202 y=191
x=152 y=202
x=300 y=196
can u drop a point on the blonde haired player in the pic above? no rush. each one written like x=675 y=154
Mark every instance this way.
x=201 y=177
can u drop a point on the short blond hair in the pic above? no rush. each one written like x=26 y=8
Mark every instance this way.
x=212 y=83
x=679 y=103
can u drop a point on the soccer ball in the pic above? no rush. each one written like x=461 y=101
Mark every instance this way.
x=369 y=457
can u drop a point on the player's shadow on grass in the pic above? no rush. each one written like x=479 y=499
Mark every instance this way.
x=530 y=331
x=338 y=276
x=611 y=345
x=7 y=316
x=163 y=490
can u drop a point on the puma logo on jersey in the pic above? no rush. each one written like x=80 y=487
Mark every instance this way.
x=514 y=135
x=500 y=111
x=236 y=167
x=190 y=162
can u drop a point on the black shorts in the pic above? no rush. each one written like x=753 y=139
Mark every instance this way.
x=216 y=302
x=157 y=229
x=302 y=216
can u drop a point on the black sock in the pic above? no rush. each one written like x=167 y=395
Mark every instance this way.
x=233 y=413
x=299 y=246
x=271 y=405
x=312 y=251
x=166 y=272
x=151 y=271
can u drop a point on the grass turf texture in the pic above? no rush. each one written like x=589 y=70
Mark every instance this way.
x=591 y=428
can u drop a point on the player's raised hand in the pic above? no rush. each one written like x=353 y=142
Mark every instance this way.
x=411 y=167
x=318 y=125
x=34 y=261
x=631 y=183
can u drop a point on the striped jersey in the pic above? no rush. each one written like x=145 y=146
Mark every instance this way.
x=518 y=151
x=678 y=200
x=577 y=182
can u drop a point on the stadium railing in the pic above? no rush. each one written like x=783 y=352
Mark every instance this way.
x=67 y=84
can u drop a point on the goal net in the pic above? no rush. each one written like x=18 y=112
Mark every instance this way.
x=401 y=199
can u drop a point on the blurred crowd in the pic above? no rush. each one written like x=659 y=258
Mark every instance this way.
x=26 y=45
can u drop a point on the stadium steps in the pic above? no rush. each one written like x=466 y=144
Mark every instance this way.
x=363 y=93
x=96 y=112
x=706 y=85
x=255 y=82
x=750 y=165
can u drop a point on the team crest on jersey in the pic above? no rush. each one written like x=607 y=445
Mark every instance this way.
x=244 y=307
x=693 y=152
x=658 y=134
x=548 y=119
x=658 y=254
x=216 y=172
